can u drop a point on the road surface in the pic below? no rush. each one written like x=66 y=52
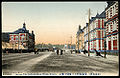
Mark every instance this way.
x=49 y=63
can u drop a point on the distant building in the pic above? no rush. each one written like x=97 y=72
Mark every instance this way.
x=65 y=46
x=80 y=39
x=21 y=37
x=5 y=37
x=96 y=34
x=68 y=46
x=112 y=35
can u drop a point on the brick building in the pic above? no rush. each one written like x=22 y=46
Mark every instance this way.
x=22 y=38
x=96 y=34
x=80 y=39
x=112 y=35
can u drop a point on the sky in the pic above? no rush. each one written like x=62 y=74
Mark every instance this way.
x=52 y=22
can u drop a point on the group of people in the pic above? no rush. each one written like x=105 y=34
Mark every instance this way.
x=97 y=53
x=59 y=52
x=85 y=51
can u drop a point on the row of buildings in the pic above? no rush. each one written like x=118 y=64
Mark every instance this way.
x=102 y=33
x=19 y=39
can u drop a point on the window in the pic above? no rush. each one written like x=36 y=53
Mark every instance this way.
x=12 y=38
x=109 y=28
x=98 y=23
x=16 y=37
x=99 y=34
x=23 y=37
x=113 y=11
x=115 y=25
x=109 y=13
x=114 y=44
x=109 y=45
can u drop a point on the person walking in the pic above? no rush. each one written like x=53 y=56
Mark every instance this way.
x=57 y=52
x=71 y=51
x=61 y=52
x=98 y=53
x=35 y=51
x=85 y=51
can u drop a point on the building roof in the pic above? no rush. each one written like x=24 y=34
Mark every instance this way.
x=22 y=30
x=79 y=30
x=102 y=15
x=110 y=3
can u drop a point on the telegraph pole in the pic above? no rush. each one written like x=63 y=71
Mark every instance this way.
x=88 y=32
x=105 y=38
x=78 y=42
x=71 y=42
x=18 y=43
x=105 y=43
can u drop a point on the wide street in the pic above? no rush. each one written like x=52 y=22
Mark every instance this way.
x=49 y=63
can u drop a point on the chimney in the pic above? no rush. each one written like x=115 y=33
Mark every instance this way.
x=24 y=25
x=32 y=32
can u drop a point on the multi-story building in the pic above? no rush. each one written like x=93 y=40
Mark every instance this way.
x=96 y=34
x=80 y=39
x=112 y=41
x=22 y=39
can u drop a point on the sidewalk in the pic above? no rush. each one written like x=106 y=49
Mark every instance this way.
x=110 y=58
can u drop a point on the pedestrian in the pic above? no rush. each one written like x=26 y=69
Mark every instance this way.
x=98 y=53
x=75 y=51
x=79 y=51
x=84 y=51
x=57 y=52
x=7 y=52
x=4 y=50
x=61 y=52
x=35 y=51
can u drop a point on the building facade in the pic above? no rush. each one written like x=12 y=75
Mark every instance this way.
x=22 y=38
x=112 y=41
x=96 y=34
x=5 y=37
x=80 y=39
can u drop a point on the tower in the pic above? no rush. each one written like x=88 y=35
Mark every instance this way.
x=79 y=27
x=24 y=25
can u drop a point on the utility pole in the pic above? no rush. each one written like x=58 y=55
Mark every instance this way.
x=78 y=42
x=71 y=42
x=105 y=43
x=105 y=38
x=88 y=32
x=18 y=43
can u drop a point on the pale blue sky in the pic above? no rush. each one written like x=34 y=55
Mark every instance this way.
x=55 y=21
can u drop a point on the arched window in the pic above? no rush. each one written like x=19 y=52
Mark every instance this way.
x=23 y=37
x=16 y=37
x=12 y=37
